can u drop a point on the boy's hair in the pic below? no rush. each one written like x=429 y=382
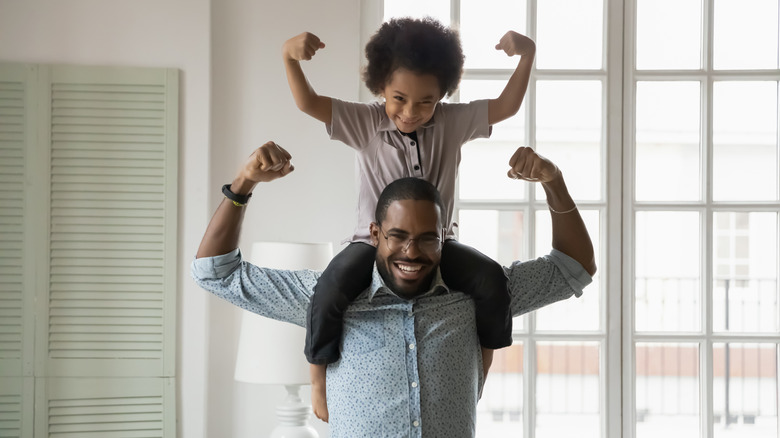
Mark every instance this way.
x=422 y=46
x=406 y=188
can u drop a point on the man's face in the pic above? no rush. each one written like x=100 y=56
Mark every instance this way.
x=409 y=268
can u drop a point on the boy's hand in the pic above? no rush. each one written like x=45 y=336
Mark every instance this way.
x=267 y=163
x=513 y=43
x=526 y=164
x=301 y=47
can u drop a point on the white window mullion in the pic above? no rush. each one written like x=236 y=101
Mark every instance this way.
x=611 y=214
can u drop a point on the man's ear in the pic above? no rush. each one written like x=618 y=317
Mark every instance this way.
x=374 y=231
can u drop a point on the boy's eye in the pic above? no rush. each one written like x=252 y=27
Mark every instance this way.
x=399 y=98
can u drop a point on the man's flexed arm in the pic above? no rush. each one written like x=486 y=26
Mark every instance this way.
x=267 y=163
x=569 y=233
x=302 y=48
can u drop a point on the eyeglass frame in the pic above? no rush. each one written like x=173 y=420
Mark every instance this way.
x=408 y=241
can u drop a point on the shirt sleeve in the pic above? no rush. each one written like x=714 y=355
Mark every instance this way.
x=277 y=294
x=355 y=123
x=536 y=283
x=469 y=120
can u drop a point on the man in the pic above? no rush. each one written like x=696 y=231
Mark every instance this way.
x=411 y=362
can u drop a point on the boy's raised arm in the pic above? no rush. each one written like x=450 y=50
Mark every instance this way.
x=302 y=48
x=508 y=103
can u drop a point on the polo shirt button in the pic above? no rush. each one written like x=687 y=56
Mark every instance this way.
x=412 y=143
x=415 y=423
x=416 y=167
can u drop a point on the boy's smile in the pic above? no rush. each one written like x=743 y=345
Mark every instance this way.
x=410 y=99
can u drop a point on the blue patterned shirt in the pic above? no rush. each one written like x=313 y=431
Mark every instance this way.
x=408 y=368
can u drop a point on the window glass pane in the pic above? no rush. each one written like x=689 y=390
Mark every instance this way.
x=745 y=296
x=569 y=34
x=483 y=171
x=438 y=9
x=482 y=24
x=667 y=40
x=567 y=388
x=511 y=129
x=745 y=390
x=746 y=34
x=667 y=390
x=745 y=141
x=568 y=131
x=667 y=282
x=667 y=141
x=483 y=167
x=583 y=313
x=500 y=410
x=497 y=234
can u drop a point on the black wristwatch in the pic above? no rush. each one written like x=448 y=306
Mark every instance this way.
x=238 y=200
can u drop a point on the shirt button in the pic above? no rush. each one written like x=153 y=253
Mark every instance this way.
x=412 y=143
x=415 y=423
x=411 y=346
x=414 y=384
x=416 y=167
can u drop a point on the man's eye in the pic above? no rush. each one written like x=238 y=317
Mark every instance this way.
x=428 y=239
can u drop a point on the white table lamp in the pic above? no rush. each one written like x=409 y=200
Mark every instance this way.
x=271 y=352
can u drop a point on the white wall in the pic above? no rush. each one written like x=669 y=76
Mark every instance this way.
x=234 y=97
x=251 y=105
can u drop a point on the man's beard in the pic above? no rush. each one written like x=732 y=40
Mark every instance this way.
x=383 y=266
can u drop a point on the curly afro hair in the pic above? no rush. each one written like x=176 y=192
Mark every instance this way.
x=422 y=46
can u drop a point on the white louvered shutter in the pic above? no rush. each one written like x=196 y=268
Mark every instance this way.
x=112 y=222
x=88 y=253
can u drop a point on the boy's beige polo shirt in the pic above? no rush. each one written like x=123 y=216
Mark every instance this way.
x=384 y=154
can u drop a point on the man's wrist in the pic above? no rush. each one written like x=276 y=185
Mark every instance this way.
x=242 y=186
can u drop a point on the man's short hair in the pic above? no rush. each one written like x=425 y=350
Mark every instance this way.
x=406 y=188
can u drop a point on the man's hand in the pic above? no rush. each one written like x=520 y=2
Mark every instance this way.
x=301 y=47
x=526 y=164
x=513 y=43
x=267 y=163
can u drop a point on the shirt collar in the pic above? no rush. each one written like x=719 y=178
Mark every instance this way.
x=378 y=286
x=387 y=125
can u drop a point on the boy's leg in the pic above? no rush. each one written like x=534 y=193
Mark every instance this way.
x=319 y=397
x=467 y=270
x=347 y=275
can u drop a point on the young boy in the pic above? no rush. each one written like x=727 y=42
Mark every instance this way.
x=412 y=64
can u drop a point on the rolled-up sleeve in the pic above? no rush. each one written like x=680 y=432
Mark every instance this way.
x=278 y=294
x=537 y=283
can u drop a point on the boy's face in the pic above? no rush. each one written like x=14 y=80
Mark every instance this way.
x=410 y=99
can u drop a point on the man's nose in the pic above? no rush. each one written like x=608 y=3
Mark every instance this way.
x=411 y=247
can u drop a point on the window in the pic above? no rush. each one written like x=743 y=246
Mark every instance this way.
x=663 y=115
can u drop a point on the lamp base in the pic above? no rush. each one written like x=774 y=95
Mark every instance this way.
x=292 y=415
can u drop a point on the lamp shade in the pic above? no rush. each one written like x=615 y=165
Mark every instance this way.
x=269 y=351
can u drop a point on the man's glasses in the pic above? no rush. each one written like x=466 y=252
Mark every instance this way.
x=401 y=242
